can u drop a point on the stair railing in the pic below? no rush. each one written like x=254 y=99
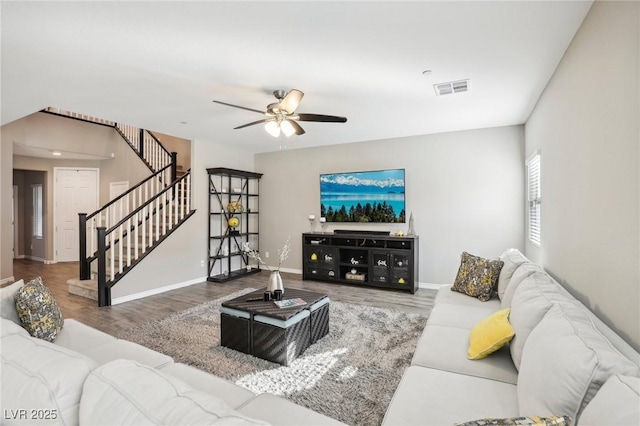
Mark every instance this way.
x=143 y=142
x=78 y=116
x=127 y=242
x=146 y=145
x=161 y=198
x=113 y=212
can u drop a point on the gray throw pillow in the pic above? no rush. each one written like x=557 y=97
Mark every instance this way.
x=38 y=311
x=477 y=277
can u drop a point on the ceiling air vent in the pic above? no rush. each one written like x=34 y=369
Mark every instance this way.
x=451 y=87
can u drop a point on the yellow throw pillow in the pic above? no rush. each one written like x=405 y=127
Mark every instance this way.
x=490 y=334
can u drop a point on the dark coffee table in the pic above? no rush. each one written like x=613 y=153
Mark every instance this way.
x=266 y=331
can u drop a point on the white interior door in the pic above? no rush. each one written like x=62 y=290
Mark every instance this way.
x=76 y=191
x=117 y=188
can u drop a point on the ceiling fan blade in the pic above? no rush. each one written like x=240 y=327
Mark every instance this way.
x=291 y=101
x=254 y=123
x=238 y=106
x=322 y=118
x=298 y=129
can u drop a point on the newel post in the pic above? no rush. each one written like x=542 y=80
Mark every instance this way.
x=85 y=274
x=141 y=140
x=174 y=166
x=104 y=293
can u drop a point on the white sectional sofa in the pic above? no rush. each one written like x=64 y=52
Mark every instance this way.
x=90 y=377
x=562 y=360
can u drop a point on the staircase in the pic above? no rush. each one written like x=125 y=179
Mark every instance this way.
x=115 y=238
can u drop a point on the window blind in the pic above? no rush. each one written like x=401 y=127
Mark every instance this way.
x=533 y=198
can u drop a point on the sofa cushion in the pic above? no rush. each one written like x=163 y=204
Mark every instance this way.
x=118 y=348
x=565 y=361
x=38 y=311
x=445 y=348
x=232 y=394
x=512 y=258
x=124 y=392
x=477 y=277
x=532 y=300
x=8 y=327
x=435 y=397
x=616 y=403
x=462 y=316
x=519 y=275
x=41 y=376
x=281 y=412
x=521 y=421
x=80 y=337
x=103 y=347
x=8 y=301
x=445 y=295
x=490 y=334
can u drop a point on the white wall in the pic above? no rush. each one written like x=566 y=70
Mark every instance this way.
x=8 y=132
x=586 y=126
x=180 y=146
x=177 y=260
x=465 y=190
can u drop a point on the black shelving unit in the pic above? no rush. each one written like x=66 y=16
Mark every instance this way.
x=232 y=194
x=384 y=261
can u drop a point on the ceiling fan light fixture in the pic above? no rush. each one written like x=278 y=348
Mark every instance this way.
x=281 y=116
x=272 y=128
x=287 y=128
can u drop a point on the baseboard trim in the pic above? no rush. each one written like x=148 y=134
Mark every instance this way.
x=154 y=291
x=430 y=286
x=37 y=259
x=10 y=279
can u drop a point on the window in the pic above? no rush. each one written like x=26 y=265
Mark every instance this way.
x=36 y=191
x=533 y=197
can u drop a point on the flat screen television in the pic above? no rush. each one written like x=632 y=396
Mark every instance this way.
x=369 y=197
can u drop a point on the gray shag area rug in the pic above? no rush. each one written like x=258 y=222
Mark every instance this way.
x=349 y=375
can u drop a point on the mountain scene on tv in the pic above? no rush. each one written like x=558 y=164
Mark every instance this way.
x=376 y=196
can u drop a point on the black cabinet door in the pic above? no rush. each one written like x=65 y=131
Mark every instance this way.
x=383 y=261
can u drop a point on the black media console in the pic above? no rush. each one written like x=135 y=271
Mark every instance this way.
x=370 y=258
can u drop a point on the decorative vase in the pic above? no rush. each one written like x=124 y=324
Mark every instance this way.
x=233 y=222
x=275 y=282
x=411 y=232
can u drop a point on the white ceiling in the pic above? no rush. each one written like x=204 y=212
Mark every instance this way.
x=158 y=65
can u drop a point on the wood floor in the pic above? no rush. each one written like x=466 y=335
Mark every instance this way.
x=115 y=319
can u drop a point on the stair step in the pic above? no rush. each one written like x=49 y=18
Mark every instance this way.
x=83 y=288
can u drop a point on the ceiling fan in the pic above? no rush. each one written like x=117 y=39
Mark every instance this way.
x=281 y=115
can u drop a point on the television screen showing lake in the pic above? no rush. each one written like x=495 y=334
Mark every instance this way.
x=376 y=196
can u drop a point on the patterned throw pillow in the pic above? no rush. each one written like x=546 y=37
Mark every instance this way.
x=521 y=421
x=38 y=311
x=477 y=277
